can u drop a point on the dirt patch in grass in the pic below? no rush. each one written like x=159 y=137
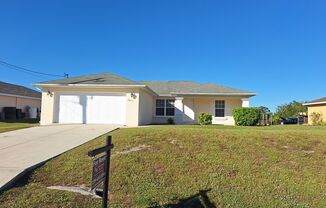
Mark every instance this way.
x=323 y=151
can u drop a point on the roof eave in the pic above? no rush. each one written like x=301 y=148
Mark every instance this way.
x=110 y=86
x=314 y=103
x=214 y=94
x=20 y=96
x=87 y=85
x=150 y=91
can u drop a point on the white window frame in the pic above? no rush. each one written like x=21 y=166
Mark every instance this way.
x=164 y=107
x=219 y=108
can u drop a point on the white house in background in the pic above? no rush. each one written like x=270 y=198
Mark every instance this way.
x=112 y=99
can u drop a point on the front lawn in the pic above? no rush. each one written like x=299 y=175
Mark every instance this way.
x=279 y=166
x=17 y=124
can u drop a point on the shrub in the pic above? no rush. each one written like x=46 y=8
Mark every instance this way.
x=276 y=119
x=316 y=118
x=170 y=121
x=246 y=116
x=291 y=110
x=205 y=118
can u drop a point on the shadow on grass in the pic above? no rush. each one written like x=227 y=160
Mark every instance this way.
x=21 y=179
x=199 y=200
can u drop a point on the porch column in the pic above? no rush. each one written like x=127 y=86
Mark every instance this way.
x=178 y=104
x=245 y=102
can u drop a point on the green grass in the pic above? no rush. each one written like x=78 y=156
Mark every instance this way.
x=17 y=124
x=279 y=166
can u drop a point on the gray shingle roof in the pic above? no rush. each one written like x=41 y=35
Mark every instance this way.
x=166 y=88
x=12 y=89
x=187 y=87
x=104 y=79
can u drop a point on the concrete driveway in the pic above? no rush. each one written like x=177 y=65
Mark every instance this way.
x=22 y=149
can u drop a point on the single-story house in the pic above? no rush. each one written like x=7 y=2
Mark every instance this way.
x=316 y=106
x=112 y=99
x=18 y=96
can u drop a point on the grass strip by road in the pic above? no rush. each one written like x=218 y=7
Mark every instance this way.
x=17 y=124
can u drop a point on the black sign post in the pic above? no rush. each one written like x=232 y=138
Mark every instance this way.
x=101 y=169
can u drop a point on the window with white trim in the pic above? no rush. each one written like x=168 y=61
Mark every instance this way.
x=165 y=107
x=219 y=108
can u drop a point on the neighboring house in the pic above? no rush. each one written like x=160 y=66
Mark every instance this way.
x=108 y=98
x=316 y=106
x=18 y=96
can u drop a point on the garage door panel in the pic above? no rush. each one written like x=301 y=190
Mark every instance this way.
x=109 y=109
x=106 y=109
x=71 y=109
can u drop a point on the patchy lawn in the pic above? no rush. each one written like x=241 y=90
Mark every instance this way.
x=279 y=166
x=17 y=124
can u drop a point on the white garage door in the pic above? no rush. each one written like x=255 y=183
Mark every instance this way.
x=92 y=109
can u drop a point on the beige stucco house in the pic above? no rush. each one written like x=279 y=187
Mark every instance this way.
x=18 y=96
x=316 y=106
x=112 y=99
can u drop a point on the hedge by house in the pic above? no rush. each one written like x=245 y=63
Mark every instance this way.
x=205 y=118
x=246 y=116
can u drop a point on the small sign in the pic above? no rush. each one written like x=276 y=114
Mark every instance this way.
x=101 y=169
x=98 y=174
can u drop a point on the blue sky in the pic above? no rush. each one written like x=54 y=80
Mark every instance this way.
x=274 y=48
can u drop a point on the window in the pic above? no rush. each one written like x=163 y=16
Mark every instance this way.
x=165 y=107
x=160 y=105
x=169 y=111
x=219 y=108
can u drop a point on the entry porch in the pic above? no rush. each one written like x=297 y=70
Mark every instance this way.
x=185 y=110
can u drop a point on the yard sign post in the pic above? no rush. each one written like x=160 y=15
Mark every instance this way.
x=101 y=169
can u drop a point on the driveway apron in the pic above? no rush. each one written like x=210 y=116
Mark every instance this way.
x=24 y=149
